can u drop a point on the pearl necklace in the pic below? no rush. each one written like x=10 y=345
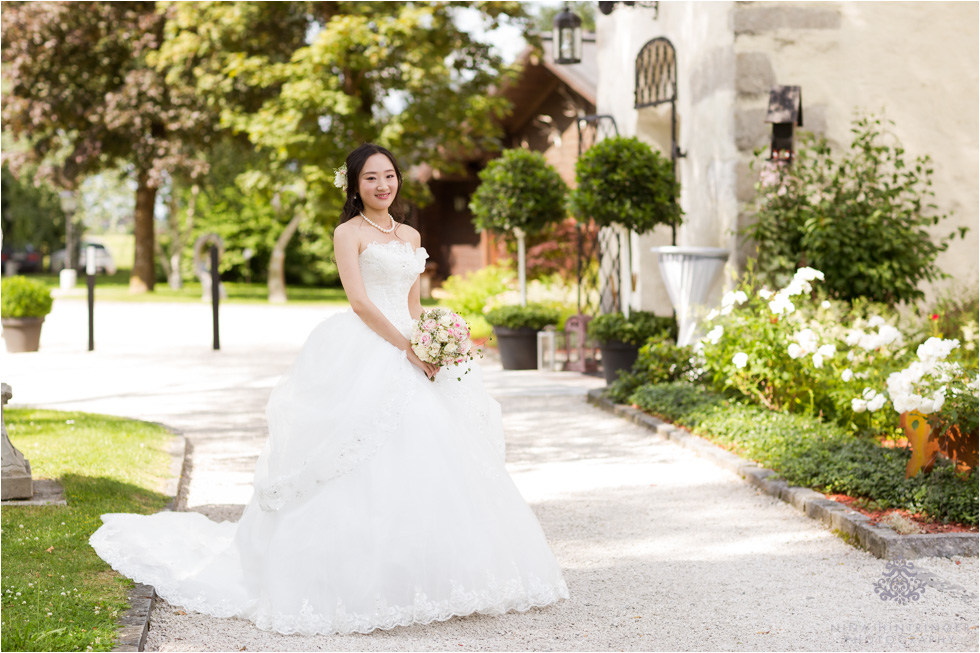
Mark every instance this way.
x=379 y=227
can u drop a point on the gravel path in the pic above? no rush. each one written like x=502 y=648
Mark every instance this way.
x=662 y=550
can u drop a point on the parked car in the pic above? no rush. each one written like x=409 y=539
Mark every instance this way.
x=103 y=259
x=18 y=260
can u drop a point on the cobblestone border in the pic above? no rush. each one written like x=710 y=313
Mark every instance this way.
x=135 y=622
x=854 y=527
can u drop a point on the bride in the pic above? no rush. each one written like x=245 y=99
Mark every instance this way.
x=380 y=499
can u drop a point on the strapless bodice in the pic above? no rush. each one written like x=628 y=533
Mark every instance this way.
x=388 y=271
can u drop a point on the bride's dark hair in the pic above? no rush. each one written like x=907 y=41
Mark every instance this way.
x=355 y=163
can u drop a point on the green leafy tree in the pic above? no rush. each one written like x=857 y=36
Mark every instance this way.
x=401 y=74
x=306 y=82
x=32 y=214
x=96 y=100
x=624 y=181
x=232 y=203
x=862 y=217
x=519 y=190
x=519 y=194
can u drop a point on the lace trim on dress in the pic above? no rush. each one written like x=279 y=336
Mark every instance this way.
x=497 y=596
x=388 y=270
x=322 y=465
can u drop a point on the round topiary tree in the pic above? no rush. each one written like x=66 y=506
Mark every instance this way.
x=623 y=181
x=519 y=193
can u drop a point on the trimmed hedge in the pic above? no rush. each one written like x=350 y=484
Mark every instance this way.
x=23 y=297
x=532 y=316
x=813 y=454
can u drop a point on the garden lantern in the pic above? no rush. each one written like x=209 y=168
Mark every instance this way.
x=785 y=113
x=567 y=37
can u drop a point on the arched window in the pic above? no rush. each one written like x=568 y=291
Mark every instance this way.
x=656 y=74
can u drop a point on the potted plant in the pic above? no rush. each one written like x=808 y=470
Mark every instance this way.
x=23 y=305
x=621 y=337
x=516 y=329
x=519 y=194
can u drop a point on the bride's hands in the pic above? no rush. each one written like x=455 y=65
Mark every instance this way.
x=428 y=369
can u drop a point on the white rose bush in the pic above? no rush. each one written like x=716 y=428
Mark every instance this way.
x=793 y=350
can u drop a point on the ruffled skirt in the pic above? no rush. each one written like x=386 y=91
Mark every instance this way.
x=381 y=499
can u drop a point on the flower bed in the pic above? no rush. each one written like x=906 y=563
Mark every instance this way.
x=814 y=454
x=814 y=388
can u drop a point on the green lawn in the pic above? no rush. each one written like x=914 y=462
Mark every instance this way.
x=57 y=594
x=116 y=288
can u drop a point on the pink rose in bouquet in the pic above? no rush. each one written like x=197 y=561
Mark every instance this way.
x=442 y=337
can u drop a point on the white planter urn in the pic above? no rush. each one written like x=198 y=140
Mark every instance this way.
x=689 y=274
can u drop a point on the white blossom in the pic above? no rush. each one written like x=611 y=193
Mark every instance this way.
x=825 y=304
x=859 y=405
x=808 y=340
x=740 y=359
x=797 y=287
x=715 y=334
x=876 y=403
x=765 y=293
x=934 y=350
x=846 y=375
x=712 y=314
x=808 y=274
x=781 y=304
x=795 y=351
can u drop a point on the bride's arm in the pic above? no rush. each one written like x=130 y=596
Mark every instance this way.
x=415 y=294
x=346 y=245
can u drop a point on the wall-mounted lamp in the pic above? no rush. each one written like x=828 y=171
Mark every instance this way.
x=785 y=113
x=567 y=37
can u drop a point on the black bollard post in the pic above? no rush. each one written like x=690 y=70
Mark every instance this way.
x=215 y=293
x=90 y=282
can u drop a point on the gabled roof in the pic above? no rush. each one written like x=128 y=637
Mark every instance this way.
x=541 y=75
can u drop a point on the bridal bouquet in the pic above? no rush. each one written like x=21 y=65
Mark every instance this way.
x=442 y=337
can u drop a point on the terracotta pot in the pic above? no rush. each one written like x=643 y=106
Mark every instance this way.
x=22 y=333
x=926 y=442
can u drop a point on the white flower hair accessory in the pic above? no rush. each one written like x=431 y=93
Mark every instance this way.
x=340 y=177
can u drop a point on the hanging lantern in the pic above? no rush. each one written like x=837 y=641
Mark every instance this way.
x=567 y=37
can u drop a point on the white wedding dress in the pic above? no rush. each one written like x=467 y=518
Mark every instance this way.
x=380 y=500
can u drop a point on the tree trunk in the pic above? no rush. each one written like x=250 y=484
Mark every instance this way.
x=179 y=232
x=142 y=278
x=277 y=271
x=521 y=264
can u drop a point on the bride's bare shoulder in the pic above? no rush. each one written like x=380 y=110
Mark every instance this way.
x=410 y=234
x=346 y=235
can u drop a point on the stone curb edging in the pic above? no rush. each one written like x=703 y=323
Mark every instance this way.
x=880 y=541
x=135 y=622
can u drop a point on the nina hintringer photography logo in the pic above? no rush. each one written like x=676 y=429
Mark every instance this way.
x=900 y=582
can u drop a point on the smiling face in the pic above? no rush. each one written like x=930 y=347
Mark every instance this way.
x=378 y=183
